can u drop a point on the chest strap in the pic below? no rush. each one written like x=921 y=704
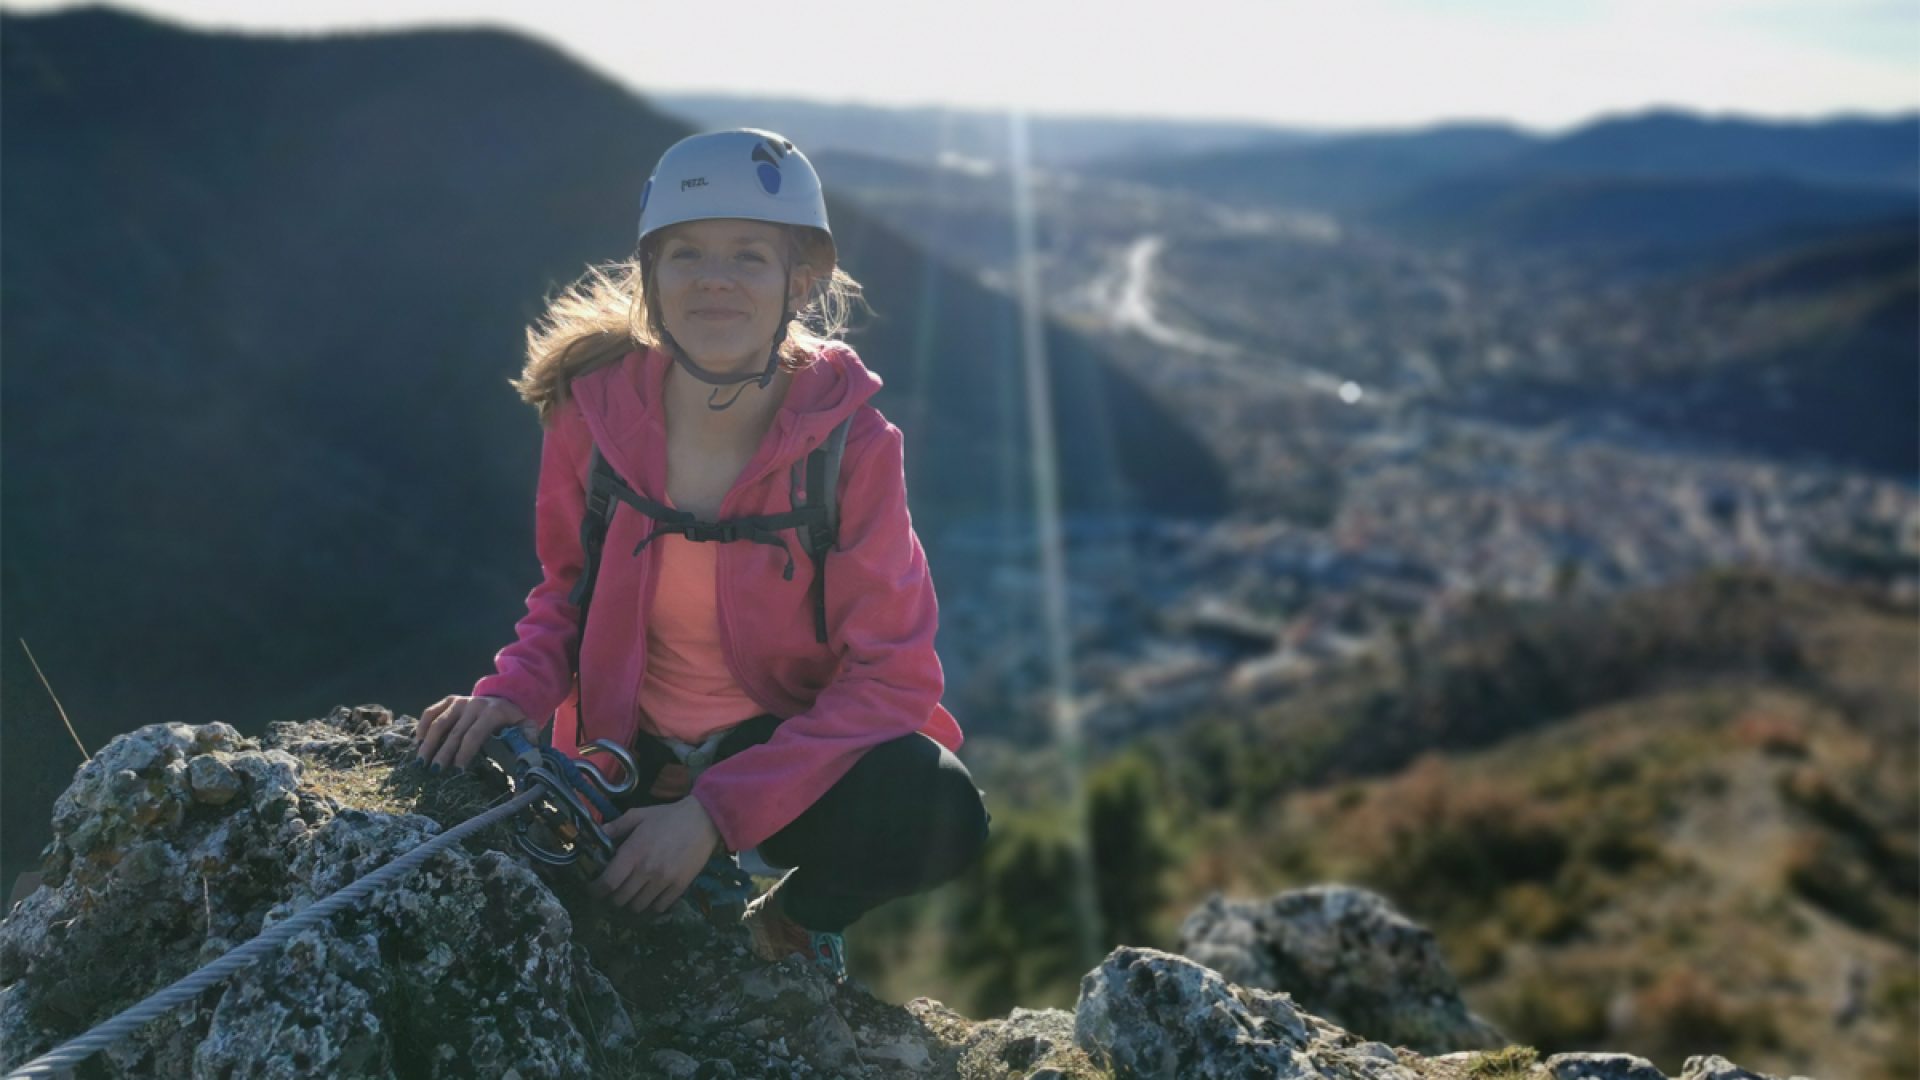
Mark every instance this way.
x=813 y=488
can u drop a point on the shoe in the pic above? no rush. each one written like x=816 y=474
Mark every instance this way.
x=775 y=936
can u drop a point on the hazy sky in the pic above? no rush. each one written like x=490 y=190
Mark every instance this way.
x=1544 y=64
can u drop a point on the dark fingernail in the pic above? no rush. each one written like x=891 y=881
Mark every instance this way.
x=435 y=769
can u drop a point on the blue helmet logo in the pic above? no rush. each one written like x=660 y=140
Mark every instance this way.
x=768 y=155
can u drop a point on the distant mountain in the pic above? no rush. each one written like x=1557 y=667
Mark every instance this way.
x=262 y=299
x=1341 y=175
x=1833 y=262
x=1827 y=368
x=1650 y=186
x=875 y=174
x=1772 y=315
x=1635 y=223
x=1667 y=143
x=928 y=136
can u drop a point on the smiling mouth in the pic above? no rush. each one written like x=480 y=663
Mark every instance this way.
x=716 y=313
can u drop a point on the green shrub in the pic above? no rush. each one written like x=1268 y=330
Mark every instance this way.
x=1439 y=840
x=1681 y=1013
x=1553 y=1013
x=1130 y=854
x=1016 y=935
x=1535 y=913
x=1829 y=872
x=1476 y=952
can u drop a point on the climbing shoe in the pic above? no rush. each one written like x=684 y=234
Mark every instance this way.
x=775 y=936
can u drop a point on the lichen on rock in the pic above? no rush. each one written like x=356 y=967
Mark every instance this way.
x=178 y=843
x=1344 y=954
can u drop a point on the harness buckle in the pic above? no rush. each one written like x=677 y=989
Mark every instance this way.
x=724 y=532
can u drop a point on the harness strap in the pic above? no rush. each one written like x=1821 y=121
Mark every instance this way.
x=815 y=517
x=602 y=486
x=822 y=531
x=760 y=530
x=725 y=532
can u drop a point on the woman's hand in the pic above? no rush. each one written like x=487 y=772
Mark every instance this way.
x=661 y=850
x=452 y=730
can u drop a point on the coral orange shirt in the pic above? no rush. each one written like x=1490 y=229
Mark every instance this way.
x=688 y=693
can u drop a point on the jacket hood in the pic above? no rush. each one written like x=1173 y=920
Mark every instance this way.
x=624 y=408
x=827 y=391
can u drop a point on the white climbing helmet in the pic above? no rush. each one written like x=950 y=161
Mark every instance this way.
x=743 y=173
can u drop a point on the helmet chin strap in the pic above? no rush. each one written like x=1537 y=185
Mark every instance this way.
x=718 y=382
x=764 y=379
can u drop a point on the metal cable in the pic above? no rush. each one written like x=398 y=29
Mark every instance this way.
x=79 y=1048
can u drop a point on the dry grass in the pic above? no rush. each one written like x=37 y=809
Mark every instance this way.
x=447 y=800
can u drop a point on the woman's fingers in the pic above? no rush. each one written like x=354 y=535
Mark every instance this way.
x=451 y=731
x=648 y=896
x=629 y=891
x=431 y=730
x=668 y=895
x=619 y=827
x=424 y=724
x=625 y=876
x=437 y=749
x=480 y=720
x=475 y=734
x=462 y=720
x=626 y=858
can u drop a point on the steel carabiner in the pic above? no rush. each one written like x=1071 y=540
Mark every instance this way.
x=621 y=755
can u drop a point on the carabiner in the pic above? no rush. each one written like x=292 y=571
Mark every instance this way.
x=620 y=754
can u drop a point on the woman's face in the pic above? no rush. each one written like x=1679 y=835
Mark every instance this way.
x=723 y=289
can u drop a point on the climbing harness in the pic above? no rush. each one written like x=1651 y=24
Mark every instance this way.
x=566 y=799
x=813 y=488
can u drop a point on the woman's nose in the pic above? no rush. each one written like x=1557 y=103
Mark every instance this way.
x=713 y=273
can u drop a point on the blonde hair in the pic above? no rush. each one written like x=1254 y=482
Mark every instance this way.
x=606 y=314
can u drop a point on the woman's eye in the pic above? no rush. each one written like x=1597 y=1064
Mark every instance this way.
x=683 y=253
x=752 y=256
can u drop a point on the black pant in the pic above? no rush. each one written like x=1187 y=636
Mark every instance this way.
x=903 y=820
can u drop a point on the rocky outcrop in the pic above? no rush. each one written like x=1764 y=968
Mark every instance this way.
x=178 y=842
x=1344 y=954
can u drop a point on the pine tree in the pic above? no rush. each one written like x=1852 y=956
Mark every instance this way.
x=1130 y=854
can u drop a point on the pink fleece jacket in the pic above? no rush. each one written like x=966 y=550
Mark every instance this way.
x=876 y=679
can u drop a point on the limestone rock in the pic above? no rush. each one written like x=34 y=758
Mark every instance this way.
x=1345 y=954
x=1154 y=1014
x=1601 y=1067
x=1026 y=1043
x=191 y=840
x=177 y=843
x=1715 y=1067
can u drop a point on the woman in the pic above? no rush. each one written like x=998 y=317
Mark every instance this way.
x=779 y=709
